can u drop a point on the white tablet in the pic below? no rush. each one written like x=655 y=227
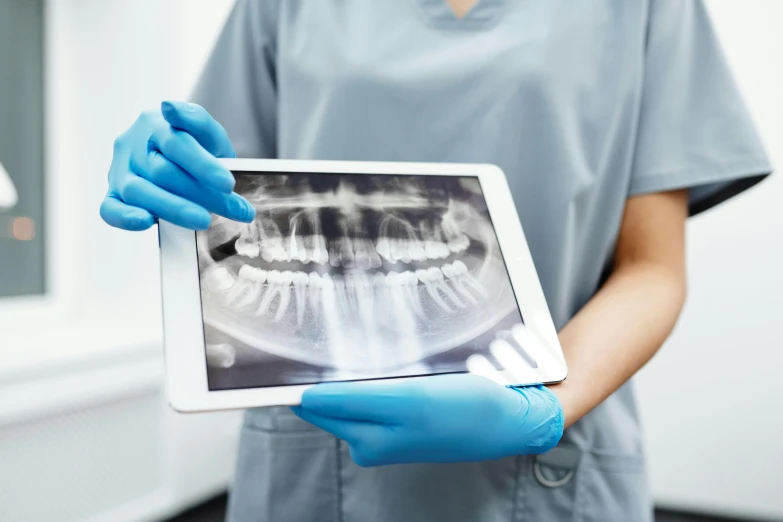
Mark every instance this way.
x=351 y=270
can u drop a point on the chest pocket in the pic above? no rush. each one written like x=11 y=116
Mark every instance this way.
x=287 y=471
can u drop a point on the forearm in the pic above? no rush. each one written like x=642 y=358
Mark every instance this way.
x=616 y=333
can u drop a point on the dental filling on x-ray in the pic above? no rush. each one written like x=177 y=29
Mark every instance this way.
x=350 y=276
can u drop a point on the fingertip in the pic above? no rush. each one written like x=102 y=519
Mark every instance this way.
x=138 y=220
x=168 y=110
x=195 y=218
x=248 y=212
x=176 y=112
x=119 y=215
x=223 y=181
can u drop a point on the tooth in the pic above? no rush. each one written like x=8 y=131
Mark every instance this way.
x=274 y=251
x=308 y=245
x=347 y=257
x=383 y=248
x=286 y=278
x=365 y=304
x=248 y=242
x=300 y=291
x=340 y=292
x=314 y=290
x=267 y=254
x=320 y=252
x=416 y=250
x=252 y=279
x=363 y=288
x=297 y=250
x=334 y=254
x=272 y=248
x=442 y=249
x=460 y=244
x=275 y=279
x=382 y=296
x=462 y=273
x=281 y=252
x=393 y=279
x=378 y=279
x=375 y=259
x=451 y=273
x=425 y=278
x=362 y=255
x=400 y=251
x=431 y=249
x=351 y=288
x=252 y=273
x=411 y=287
x=436 y=277
x=220 y=279
x=456 y=240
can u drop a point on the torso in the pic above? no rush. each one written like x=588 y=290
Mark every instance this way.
x=549 y=90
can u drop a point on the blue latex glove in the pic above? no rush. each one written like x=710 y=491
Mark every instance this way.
x=165 y=166
x=444 y=418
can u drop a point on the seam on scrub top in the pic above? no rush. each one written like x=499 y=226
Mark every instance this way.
x=515 y=502
x=339 y=470
x=580 y=504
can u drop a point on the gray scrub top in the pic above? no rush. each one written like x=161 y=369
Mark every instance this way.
x=581 y=103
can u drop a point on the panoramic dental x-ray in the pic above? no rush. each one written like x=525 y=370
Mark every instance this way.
x=346 y=276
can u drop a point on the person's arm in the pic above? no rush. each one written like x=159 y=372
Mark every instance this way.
x=465 y=417
x=627 y=321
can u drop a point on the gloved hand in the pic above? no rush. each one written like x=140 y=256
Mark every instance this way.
x=444 y=418
x=165 y=166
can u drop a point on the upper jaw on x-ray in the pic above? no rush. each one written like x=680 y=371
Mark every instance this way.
x=357 y=273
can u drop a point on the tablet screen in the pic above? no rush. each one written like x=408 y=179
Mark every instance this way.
x=351 y=276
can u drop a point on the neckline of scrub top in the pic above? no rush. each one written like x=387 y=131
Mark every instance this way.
x=482 y=15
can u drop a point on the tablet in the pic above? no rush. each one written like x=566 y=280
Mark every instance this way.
x=350 y=271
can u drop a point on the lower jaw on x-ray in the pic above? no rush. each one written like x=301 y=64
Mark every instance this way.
x=345 y=276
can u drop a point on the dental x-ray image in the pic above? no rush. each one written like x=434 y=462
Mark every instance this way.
x=349 y=276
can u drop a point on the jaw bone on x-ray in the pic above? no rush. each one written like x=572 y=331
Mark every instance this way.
x=345 y=276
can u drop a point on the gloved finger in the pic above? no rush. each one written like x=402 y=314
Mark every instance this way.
x=533 y=346
x=196 y=121
x=516 y=367
x=183 y=149
x=347 y=430
x=139 y=192
x=369 y=401
x=124 y=216
x=169 y=176
x=479 y=365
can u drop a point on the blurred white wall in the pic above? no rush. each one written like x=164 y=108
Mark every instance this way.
x=85 y=431
x=711 y=400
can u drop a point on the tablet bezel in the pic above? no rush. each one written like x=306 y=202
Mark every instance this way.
x=185 y=356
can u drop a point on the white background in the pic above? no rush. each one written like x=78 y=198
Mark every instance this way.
x=710 y=401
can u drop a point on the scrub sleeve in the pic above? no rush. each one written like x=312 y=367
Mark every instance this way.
x=694 y=128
